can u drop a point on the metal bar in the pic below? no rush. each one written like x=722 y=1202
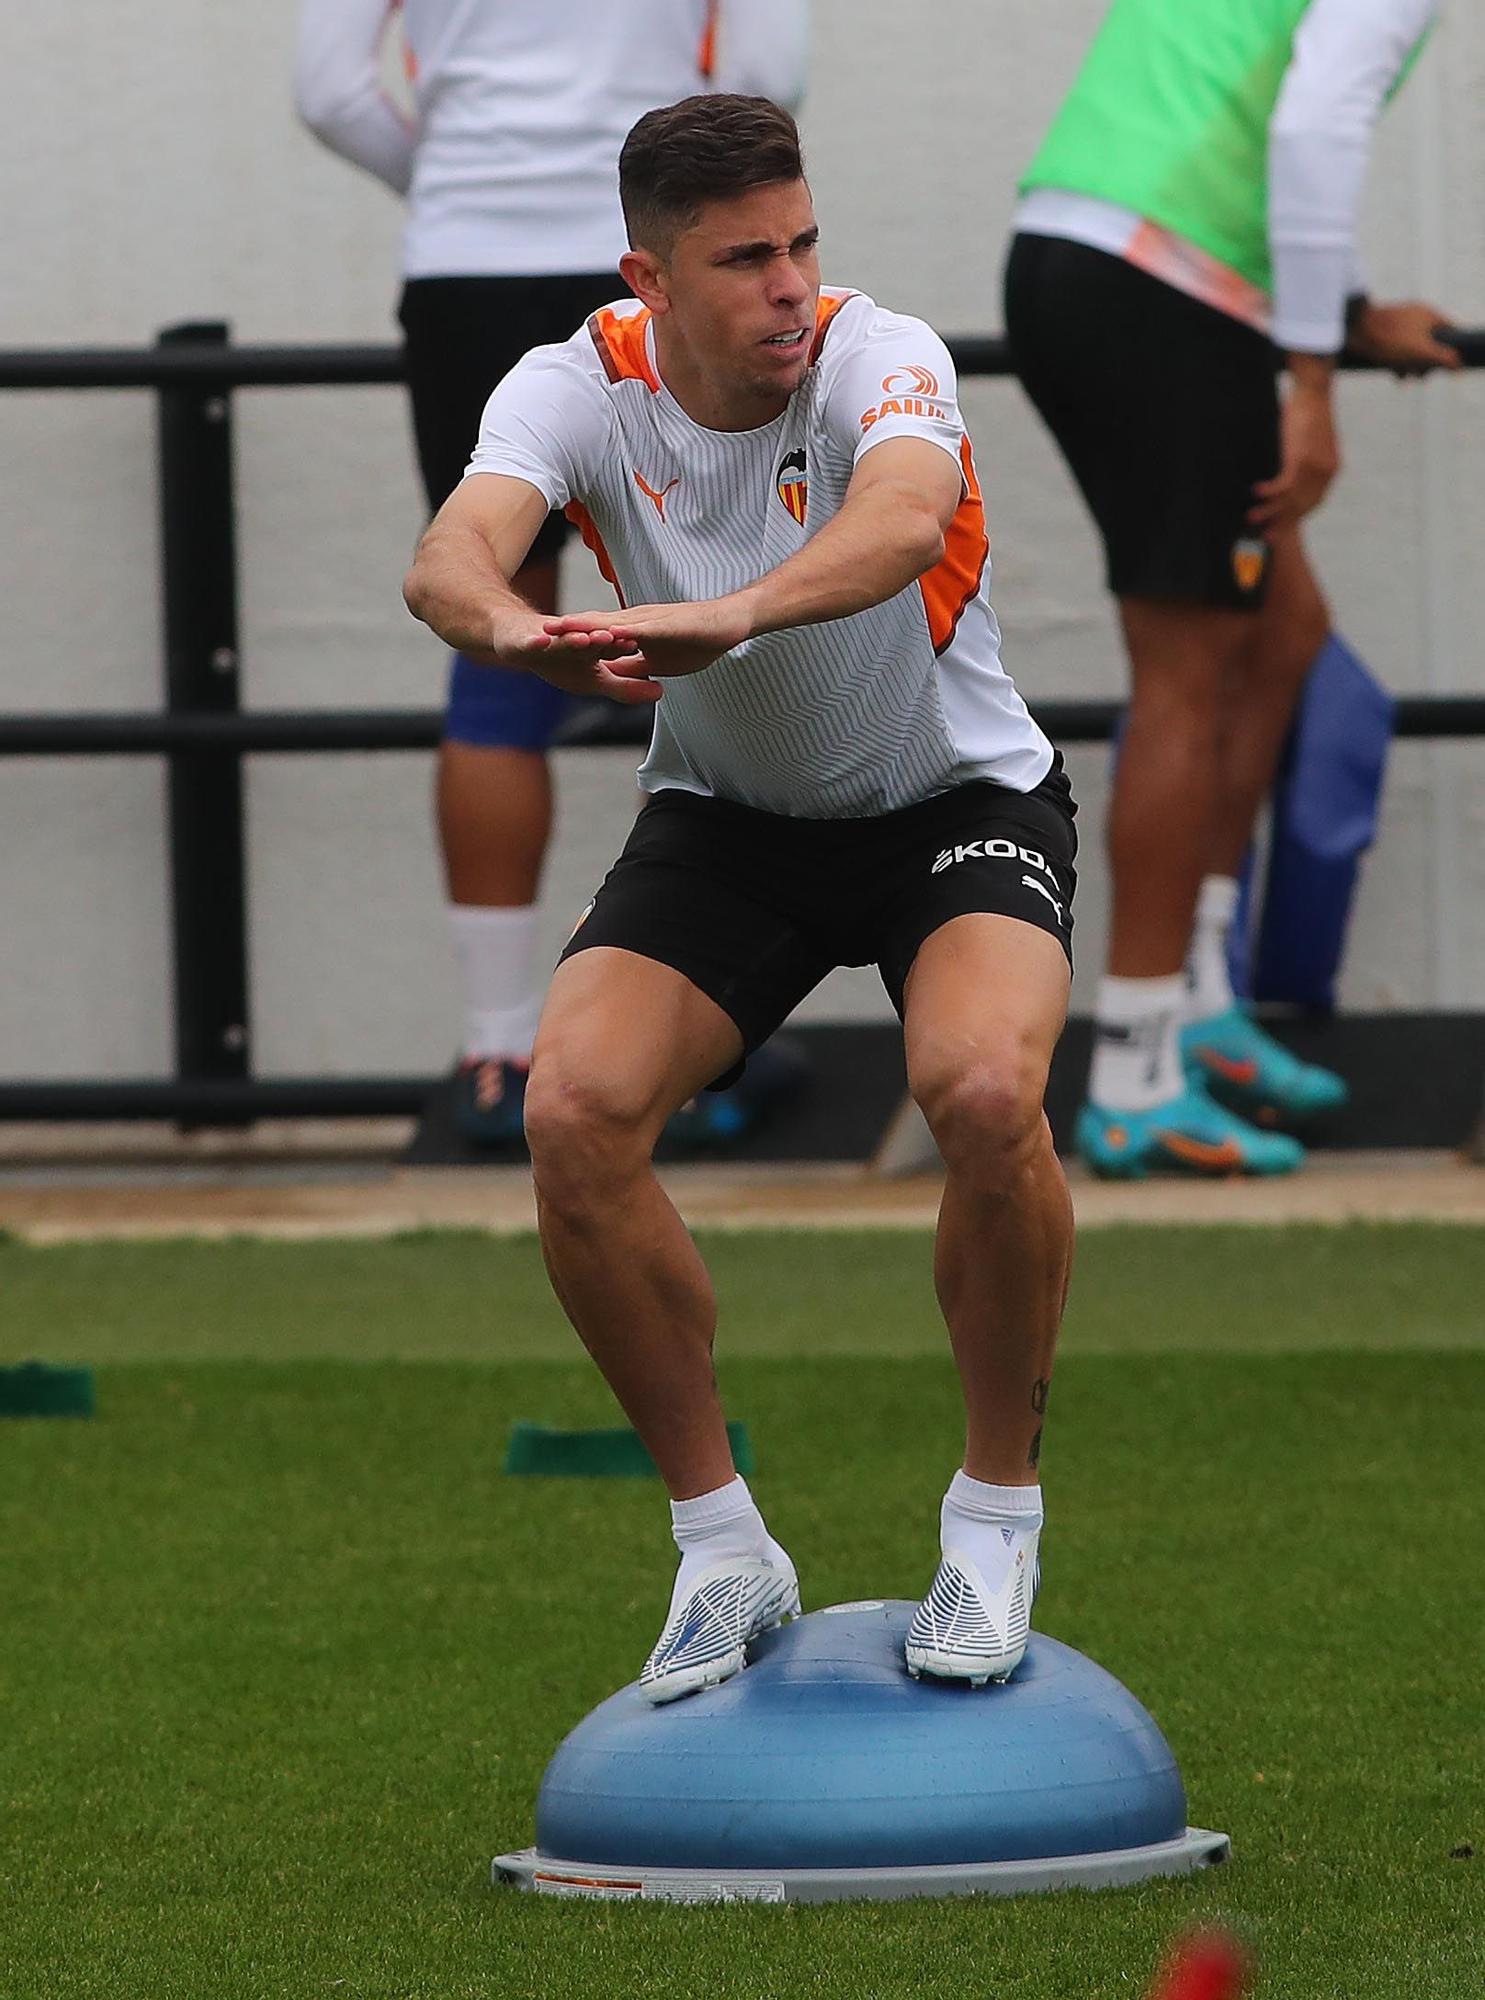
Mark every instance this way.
x=163 y=367
x=324 y=367
x=1430 y=717
x=192 y=1101
x=199 y=581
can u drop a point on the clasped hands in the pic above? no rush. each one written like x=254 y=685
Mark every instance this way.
x=625 y=655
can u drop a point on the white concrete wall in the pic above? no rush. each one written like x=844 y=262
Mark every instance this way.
x=154 y=172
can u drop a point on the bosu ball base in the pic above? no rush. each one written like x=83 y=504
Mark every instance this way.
x=824 y=1772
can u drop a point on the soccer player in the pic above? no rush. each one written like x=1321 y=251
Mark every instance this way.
x=513 y=236
x=778 y=481
x=1186 y=230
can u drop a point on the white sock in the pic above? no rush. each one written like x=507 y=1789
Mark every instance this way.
x=1208 y=988
x=496 y=951
x=713 y=1526
x=1136 y=1050
x=982 y=1521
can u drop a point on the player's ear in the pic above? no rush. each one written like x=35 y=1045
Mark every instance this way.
x=644 y=274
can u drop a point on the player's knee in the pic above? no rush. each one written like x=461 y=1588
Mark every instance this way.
x=985 y=1113
x=583 y=1132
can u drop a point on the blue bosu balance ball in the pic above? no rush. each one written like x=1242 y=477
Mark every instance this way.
x=825 y=1762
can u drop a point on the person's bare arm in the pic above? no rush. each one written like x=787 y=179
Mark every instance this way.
x=890 y=529
x=460 y=586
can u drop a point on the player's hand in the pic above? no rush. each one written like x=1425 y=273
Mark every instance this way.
x=665 y=640
x=1404 y=338
x=576 y=661
x=1309 y=459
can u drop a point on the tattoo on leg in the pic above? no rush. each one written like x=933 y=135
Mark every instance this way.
x=1040 y=1389
x=1034 y=1456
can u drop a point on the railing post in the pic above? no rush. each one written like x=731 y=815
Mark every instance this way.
x=199 y=577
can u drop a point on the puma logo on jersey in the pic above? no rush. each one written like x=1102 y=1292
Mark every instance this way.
x=650 y=493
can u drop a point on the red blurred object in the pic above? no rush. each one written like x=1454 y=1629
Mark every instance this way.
x=1206 y=1966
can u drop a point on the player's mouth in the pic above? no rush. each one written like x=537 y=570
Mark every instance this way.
x=788 y=344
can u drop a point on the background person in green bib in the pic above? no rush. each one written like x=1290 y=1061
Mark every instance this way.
x=1185 y=233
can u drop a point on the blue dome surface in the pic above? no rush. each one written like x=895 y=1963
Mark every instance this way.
x=824 y=1753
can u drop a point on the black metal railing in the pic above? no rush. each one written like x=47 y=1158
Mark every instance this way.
x=203 y=733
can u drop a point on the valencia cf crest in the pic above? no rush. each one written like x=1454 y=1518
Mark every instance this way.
x=1249 y=561
x=793 y=486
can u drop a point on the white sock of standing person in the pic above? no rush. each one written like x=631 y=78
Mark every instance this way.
x=1136 y=1043
x=496 y=953
x=1208 y=984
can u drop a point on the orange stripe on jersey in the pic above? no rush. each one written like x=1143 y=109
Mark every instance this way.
x=948 y=587
x=583 y=521
x=706 y=55
x=825 y=312
x=620 y=340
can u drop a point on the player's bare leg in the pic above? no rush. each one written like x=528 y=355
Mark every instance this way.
x=1235 y=1056
x=494 y=820
x=1185 y=661
x=623 y=1041
x=1182 y=658
x=1262 y=696
x=985 y=1004
x=493 y=806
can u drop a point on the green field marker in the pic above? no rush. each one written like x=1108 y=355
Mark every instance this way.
x=538 y=1451
x=35 y=1389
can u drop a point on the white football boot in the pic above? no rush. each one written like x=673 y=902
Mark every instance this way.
x=965 y=1630
x=707 y=1634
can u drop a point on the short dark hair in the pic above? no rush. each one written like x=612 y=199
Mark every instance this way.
x=702 y=149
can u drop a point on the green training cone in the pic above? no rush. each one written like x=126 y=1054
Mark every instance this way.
x=36 y=1389
x=613 y=1454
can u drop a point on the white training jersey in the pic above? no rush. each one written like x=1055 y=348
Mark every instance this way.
x=842 y=720
x=510 y=161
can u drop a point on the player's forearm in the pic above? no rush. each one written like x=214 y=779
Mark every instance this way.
x=876 y=546
x=457 y=589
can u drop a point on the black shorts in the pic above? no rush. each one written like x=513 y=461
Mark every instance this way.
x=461 y=336
x=755 y=908
x=1166 y=410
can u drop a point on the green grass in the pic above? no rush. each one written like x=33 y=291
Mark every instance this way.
x=462 y=1295
x=282 y=1654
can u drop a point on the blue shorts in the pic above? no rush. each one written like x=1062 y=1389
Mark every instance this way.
x=501 y=708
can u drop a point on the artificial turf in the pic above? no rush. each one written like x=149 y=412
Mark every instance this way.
x=282 y=1653
x=465 y=1295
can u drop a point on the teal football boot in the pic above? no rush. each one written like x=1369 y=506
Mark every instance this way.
x=1185 y=1135
x=717 y=1119
x=490 y=1102
x=1232 y=1058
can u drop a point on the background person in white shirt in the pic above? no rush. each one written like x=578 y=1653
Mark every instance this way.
x=779 y=484
x=1186 y=230
x=513 y=235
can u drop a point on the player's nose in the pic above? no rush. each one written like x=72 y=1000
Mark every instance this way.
x=789 y=287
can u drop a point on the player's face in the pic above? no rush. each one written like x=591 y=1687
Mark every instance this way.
x=741 y=287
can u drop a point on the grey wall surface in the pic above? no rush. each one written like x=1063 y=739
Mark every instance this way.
x=154 y=172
